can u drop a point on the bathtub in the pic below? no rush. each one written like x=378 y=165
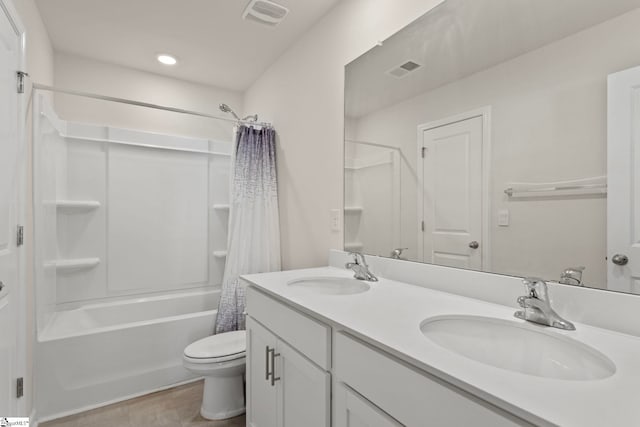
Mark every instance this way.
x=103 y=353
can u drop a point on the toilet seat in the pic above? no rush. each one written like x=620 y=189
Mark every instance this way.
x=217 y=348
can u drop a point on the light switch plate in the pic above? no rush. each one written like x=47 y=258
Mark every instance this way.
x=503 y=217
x=335 y=219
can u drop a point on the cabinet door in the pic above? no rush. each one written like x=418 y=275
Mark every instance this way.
x=352 y=410
x=262 y=396
x=303 y=390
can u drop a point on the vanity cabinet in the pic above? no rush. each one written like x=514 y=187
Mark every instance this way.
x=293 y=360
x=353 y=410
x=284 y=387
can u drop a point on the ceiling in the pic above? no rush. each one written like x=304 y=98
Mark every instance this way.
x=212 y=42
x=462 y=37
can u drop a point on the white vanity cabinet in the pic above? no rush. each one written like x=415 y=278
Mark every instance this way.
x=293 y=360
x=285 y=386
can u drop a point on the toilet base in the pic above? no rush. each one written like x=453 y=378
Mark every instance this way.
x=226 y=415
x=223 y=397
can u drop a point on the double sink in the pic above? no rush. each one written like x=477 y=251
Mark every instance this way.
x=515 y=346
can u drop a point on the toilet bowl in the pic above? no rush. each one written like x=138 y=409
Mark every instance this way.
x=220 y=359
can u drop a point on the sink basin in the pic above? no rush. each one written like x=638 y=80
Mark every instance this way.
x=330 y=285
x=518 y=347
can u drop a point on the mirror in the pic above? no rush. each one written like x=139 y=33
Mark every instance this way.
x=477 y=137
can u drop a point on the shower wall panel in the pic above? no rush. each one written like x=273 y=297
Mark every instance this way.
x=157 y=217
x=125 y=213
x=49 y=161
x=372 y=200
x=219 y=190
x=81 y=233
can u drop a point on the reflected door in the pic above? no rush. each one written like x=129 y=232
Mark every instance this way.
x=9 y=150
x=623 y=166
x=452 y=194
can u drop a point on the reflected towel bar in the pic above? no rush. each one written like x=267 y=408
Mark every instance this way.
x=582 y=187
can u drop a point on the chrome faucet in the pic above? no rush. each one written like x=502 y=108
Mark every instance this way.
x=572 y=276
x=360 y=268
x=397 y=253
x=537 y=306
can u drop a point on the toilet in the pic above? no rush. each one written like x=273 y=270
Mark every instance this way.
x=220 y=359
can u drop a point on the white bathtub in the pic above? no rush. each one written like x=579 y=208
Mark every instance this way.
x=103 y=353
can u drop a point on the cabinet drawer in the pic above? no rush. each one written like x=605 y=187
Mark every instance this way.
x=308 y=336
x=411 y=396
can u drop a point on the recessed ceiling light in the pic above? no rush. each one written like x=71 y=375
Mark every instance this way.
x=165 y=59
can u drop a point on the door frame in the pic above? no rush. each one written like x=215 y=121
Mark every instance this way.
x=485 y=114
x=7 y=7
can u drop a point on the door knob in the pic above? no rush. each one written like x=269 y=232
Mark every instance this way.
x=474 y=245
x=620 y=259
x=1 y=286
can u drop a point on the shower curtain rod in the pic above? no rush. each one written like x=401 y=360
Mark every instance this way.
x=146 y=104
x=398 y=149
x=375 y=144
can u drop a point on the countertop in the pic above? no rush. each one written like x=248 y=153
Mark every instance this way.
x=389 y=315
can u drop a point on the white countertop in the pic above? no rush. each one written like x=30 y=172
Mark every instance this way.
x=389 y=315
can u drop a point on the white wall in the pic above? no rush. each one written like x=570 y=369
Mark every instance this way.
x=548 y=124
x=302 y=94
x=39 y=65
x=81 y=74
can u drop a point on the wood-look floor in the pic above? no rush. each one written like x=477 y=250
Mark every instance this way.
x=176 y=407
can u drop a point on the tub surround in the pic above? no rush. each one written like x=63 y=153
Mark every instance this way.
x=92 y=244
x=126 y=266
x=388 y=318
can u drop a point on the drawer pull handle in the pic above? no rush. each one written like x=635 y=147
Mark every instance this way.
x=273 y=367
x=266 y=359
x=271 y=358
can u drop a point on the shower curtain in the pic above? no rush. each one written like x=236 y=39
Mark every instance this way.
x=254 y=229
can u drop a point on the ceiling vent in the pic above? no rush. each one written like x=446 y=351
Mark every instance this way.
x=265 y=12
x=403 y=69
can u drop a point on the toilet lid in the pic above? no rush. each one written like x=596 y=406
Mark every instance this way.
x=218 y=346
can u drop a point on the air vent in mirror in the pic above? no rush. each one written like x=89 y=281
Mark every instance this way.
x=403 y=69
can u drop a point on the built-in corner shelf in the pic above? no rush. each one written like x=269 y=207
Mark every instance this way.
x=75 y=264
x=220 y=254
x=353 y=209
x=353 y=246
x=221 y=207
x=77 y=205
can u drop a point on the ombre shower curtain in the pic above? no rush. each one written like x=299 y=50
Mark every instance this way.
x=254 y=229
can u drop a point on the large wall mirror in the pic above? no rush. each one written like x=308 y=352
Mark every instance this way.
x=502 y=136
